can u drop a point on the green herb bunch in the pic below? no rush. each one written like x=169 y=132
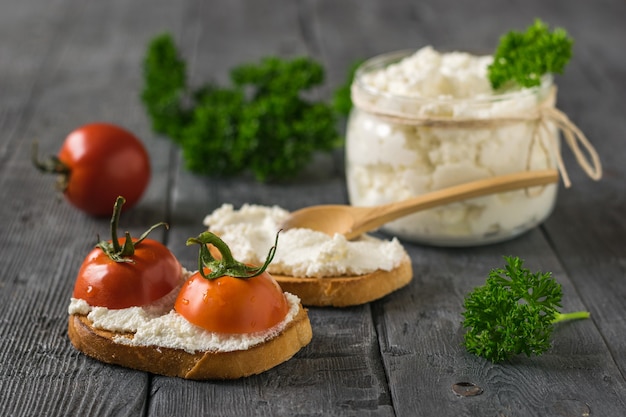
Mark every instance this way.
x=513 y=313
x=261 y=123
x=524 y=57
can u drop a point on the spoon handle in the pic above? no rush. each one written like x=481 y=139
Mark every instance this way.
x=371 y=218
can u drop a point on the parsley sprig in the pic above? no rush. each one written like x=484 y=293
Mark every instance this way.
x=513 y=313
x=261 y=123
x=522 y=58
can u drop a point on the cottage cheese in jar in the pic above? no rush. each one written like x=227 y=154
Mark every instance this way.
x=425 y=120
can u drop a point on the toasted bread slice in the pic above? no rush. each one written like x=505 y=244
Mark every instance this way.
x=344 y=291
x=100 y=345
x=348 y=290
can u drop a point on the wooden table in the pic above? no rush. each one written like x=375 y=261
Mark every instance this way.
x=64 y=63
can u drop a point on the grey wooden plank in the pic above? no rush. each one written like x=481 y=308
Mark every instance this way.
x=85 y=60
x=350 y=31
x=41 y=373
x=24 y=56
x=421 y=342
x=420 y=326
x=339 y=372
x=82 y=62
x=588 y=226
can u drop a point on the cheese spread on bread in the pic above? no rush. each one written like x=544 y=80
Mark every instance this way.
x=251 y=231
x=157 y=324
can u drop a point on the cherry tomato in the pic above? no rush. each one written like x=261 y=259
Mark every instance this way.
x=227 y=296
x=97 y=163
x=232 y=305
x=153 y=273
x=133 y=272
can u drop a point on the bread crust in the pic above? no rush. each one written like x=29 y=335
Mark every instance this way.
x=343 y=291
x=349 y=290
x=100 y=345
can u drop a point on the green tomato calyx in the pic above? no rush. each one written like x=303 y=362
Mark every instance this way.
x=113 y=249
x=227 y=265
x=51 y=165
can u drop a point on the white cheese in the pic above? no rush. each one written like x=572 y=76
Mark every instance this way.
x=429 y=73
x=158 y=324
x=250 y=232
x=390 y=159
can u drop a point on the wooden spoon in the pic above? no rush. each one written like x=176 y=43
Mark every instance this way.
x=353 y=221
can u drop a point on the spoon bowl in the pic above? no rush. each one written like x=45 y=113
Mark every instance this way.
x=352 y=221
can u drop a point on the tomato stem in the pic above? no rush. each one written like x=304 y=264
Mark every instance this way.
x=52 y=165
x=226 y=265
x=113 y=249
x=115 y=220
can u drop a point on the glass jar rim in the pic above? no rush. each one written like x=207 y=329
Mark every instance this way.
x=383 y=60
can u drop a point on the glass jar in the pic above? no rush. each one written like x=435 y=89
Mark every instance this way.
x=401 y=146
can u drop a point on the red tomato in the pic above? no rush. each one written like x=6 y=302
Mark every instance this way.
x=232 y=305
x=153 y=272
x=99 y=162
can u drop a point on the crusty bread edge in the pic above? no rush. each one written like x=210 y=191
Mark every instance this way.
x=344 y=291
x=349 y=290
x=100 y=345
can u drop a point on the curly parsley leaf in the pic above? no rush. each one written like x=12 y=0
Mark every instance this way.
x=165 y=85
x=261 y=123
x=524 y=57
x=513 y=313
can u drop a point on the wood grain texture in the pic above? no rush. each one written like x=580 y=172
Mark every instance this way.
x=68 y=62
x=430 y=311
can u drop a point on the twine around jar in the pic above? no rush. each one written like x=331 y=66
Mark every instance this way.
x=545 y=114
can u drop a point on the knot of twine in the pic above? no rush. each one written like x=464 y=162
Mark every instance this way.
x=545 y=114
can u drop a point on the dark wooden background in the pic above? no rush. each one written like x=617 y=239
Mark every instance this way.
x=64 y=63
